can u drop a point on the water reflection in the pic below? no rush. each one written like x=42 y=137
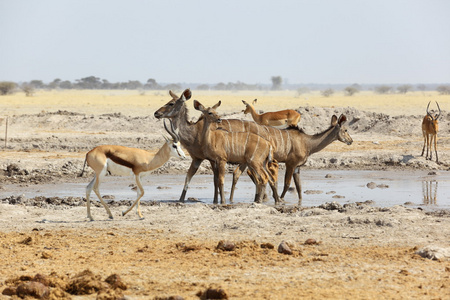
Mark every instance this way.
x=429 y=191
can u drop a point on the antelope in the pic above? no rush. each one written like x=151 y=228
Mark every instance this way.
x=123 y=161
x=246 y=148
x=286 y=150
x=278 y=119
x=430 y=129
x=299 y=146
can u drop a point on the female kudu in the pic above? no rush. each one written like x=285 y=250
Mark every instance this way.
x=247 y=148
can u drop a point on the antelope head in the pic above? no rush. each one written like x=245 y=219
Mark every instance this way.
x=174 y=143
x=171 y=108
x=209 y=113
x=343 y=135
x=248 y=106
x=436 y=116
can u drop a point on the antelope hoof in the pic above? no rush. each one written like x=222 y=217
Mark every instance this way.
x=90 y=218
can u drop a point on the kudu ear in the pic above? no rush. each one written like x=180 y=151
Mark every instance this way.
x=254 y=101
x=245 y=103
x=342 y=120
x=173 y=95
x=217 y=104
x=198 y=106
x=334 y=120
x=187 y=94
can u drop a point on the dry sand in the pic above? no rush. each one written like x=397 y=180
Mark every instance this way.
x=342 y=252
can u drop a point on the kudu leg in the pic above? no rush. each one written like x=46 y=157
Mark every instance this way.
x=221 y=168
x=298 y=184
x=195 y=164
x=287 y=180
x=236 y=174
x=424 y=143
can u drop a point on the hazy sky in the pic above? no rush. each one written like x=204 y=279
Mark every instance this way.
x=182 y=41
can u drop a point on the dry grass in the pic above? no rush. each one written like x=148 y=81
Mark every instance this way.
x=144 y=103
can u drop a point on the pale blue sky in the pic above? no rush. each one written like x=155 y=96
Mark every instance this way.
x=347 y=41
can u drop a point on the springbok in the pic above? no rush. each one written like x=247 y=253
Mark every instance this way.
x=123 y=161
x=246 y=148
x=430 y=129
x=287 y=148
x=278 y=119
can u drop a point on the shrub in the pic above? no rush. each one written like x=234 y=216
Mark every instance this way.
x=7 y=87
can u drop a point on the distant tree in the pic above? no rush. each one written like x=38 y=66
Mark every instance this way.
x=443 y=89
x=134 y=85
x=54 y=84
x=421 y=87
x=327 y=93
x=7 y=87
x=203 y=87
x=302 y=90
x=350 y=91
x=37 y=84
x=404 y=88
x=28 y=90
x=152 y=84
x=382 y=89
x=220 y=86
x=89 y=83
x=276 y=82
x=66 y=84
x=173 y=87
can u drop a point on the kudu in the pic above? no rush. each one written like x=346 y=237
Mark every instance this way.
x=247 y=148
x=278 y=119
x=430 y=129
x=298 y=146
x=125 y=161
x=286 y=148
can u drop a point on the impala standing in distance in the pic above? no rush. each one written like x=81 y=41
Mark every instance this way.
x=430 y=129
x=279 y=119
x=242 y=147
x=124 y=161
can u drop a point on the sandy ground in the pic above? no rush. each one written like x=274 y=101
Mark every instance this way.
x=192 y=251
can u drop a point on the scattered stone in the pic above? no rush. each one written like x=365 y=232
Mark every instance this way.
x=267 y=246
x=329 y=176
x=226 y=246
x=331 y=206
x=26 y=241
x=170 y=298
x=310 y=192
x=331 y=192
x=382 y=186
x=284 y=248
x=434 y=253
x=371 y=185
x=311 y=242
x=212 y=293
x=32 y=289
x=9 y=291
x=338 y=197
x=432 y=173
x=115 y=282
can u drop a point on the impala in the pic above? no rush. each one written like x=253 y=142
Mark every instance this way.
x=430 y=129
x=278 y=119
x=123 y=161
x=247 y=148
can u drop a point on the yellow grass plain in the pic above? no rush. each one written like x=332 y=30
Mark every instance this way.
x=138 y=103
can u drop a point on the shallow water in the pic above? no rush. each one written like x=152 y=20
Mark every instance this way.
x=391 y=188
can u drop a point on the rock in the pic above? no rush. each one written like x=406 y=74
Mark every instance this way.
x=213 y=293
x=371 y=185
x=311 y=242
x=226 y=246
x=267 y=246
x=284 y=248
x=434 y=253
x=331 y=206
x=115 y=282
x=10 y=291
x=32 y=289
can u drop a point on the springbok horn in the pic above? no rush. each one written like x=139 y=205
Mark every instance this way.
x=174 y=137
